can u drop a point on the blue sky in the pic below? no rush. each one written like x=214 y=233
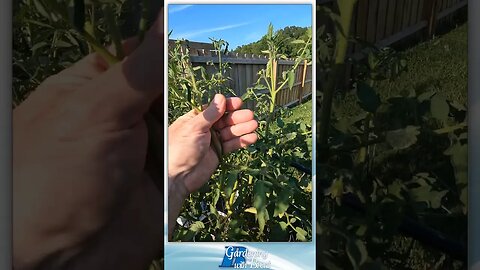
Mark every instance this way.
x=237 y=24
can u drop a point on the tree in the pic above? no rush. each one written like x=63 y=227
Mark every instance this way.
x=287 y=34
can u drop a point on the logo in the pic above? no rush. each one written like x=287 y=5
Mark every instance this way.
x=243 y=258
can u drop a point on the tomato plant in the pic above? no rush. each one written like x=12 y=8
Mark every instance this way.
x=388 y=166
x=51 y=35
x=256 y=194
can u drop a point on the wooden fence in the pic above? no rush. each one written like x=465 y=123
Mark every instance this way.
x=385 y=22
x=244 y=70
x=380 y=22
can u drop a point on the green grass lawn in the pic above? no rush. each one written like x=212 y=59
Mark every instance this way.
x=302 y=113
x=440 y=64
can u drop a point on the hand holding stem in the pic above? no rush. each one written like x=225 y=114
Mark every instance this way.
x=191 y=157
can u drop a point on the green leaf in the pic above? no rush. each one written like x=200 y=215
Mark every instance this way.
x=259 y=197
x=113 y=29
x=425 y=96
x=283 y=202
x=62 y=44
x=336 y=189
x=357 y=252
x=298 y=41
x=213 y=210
x=229 y=183
x=301 y=234
x=39 y=23
x=269 y=69
x=251 y=210
x=362 y=229
x=459 y=158
x=457 y=105
x=41 y=9
x=260 y=203
x=216 y=196
x=372 y=61
x=347 y=125
x=402 y=138
x=270 y=31
x=425 y=194
x=439 y=108
x=320 y=30
x=262 y=217
x=38 y=46
x=197 y=226
x=368 y=98
x=396 y=189
x=291 y=79
x=291 y=135
x=280 y=123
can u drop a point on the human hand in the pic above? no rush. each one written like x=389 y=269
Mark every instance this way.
x=191 y=158
x=79 y=184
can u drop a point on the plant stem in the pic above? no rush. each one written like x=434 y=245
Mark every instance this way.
x=114 y=30
x=273 y=94
x=142 y=27
x=215 y=140
x=232 y=198
x=79 y=25
x=188 y=68
x=346 y=10
x=108 y=56
x=451 y=128
x=89 y=25
x=273 y=87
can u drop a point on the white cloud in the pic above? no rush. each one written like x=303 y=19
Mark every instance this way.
x=191 y=34
x=178 y=8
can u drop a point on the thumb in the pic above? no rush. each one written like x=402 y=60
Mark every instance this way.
x=127 y=89
x=205 y=120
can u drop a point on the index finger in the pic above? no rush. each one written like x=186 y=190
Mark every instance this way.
x=234 y=103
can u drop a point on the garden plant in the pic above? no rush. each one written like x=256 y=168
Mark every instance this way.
x=256 y=194
x=391 y=169
x=383 y=162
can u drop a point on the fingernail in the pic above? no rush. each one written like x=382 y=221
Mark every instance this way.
x=217 y=99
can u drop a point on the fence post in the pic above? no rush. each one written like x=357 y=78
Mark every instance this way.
x=430 y=11
x=300 y=92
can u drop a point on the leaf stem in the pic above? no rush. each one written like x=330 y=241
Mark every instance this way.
x=142 y=26
x=108 y=56
x=346 y=10
x=114 y=30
